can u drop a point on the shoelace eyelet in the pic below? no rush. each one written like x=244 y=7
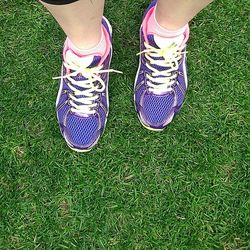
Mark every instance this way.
x=180 y=73
x=68 y=103
x=99 y=98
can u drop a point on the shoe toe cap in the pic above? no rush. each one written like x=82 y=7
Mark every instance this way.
x=82 y=132
x=157 y=110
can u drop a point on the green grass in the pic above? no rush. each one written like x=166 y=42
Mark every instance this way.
x=184 y=188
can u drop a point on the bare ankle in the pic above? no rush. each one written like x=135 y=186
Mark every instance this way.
x=85 y=42
x=167 y=22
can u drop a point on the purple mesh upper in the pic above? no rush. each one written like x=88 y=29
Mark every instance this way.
x=156 y=111
x=157 y=108
x=81 y=130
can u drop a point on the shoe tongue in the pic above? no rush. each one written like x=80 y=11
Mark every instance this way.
x=163 y=42
x=87 y=61
x=160 y=42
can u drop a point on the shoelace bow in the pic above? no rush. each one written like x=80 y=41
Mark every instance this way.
x=162 y=80
x=85 y=101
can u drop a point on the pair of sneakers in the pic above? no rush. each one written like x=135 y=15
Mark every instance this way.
x=161 y=82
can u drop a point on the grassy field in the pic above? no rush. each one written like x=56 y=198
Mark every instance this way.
x=184 y=188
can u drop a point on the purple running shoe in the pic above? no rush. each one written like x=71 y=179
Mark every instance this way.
x=82 y=103
x=161 y=80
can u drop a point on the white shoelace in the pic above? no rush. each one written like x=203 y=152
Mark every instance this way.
x=162 y=81
x=92 y=85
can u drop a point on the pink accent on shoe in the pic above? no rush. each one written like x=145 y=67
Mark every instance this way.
x=108 y=45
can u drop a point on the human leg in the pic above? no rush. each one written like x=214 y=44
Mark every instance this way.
x=80 y=20
x=82 y=101
x=174 y=14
